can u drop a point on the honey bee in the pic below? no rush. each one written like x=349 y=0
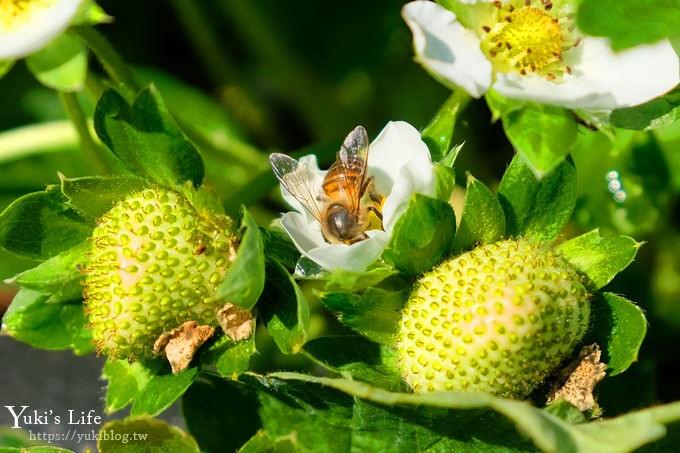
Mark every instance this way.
x=339 y=202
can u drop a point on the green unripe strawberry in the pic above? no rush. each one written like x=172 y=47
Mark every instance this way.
x=155 y=263
x=499 y=318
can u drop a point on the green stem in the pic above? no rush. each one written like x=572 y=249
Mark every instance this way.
x=293 y=79
x=50 y=137
x=210 y=53
x=93 y=152
x=111 y=61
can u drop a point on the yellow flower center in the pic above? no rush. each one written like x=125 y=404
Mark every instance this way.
x=15 y=14
x=527 y=37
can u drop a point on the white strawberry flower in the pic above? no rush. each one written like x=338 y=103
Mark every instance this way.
x=401 y=165
x=532 y=50
x=28 y=25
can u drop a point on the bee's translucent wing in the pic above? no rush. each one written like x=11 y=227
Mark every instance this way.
x=353 y=157
x=299 y=180
x=355 y=146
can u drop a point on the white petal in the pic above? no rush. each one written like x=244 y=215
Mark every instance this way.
x=417 y=176
x=29 y=33
x=401 y=164
x=446 y=48
x=356 y=257
x=633 y=76
x=305 y=235
x=394 y=147
x=602 y=79
x=309 y=241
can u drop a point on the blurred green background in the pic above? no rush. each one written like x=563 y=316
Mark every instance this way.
x=250 y=77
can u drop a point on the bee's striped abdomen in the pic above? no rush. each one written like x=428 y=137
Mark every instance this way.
x=345 y=178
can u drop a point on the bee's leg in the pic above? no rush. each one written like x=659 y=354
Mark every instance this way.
x=376 y=211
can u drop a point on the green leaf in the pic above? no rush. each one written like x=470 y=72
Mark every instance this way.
x=359 y=358
x=61 y=64
x=438 y=134
x=284 y=309
x=657 y=112
x=542 y=134
x=447 y=421
x=312 y=419
x=482 y=220
x=59 y=277
x=221 y=415
x=533 y=208
x=125 y=380
x=40 y=225
x=375 y=313
x=162 y=390
x=421 y=236
x=618 y=327
x=140 y=434
x=630 y=23
x=245 y=280
x=599 y=258
x=31 y=319
x=146 y=139
x=92 y=196
x=35 y=449
x=233 y=357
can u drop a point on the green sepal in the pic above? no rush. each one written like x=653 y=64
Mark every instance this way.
x=542 y=134
x=537 y=209
x=359 y=358
x=31 y=319
x=163 y=389
x=150 y=386
x=284 y=309
x=143 y=434
x=92 y=196
x=245 y=280
x=629 y=23
x=599 y=258
x=89 y=13
x=565 y=411
x=341 y=280
x=60 y=277
x=439 y=133
x=41 y=225
x=657 y=112
x=61 y=64
x=125 y=381
x=261 y=441
x=422 y=236
x=234 y=356
x=146 y=139
x=5 y=66
x=445 y=181
x=375 y=313
x=618 y=327
x=221 y=415
x=278 y=245
x=482 y=220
